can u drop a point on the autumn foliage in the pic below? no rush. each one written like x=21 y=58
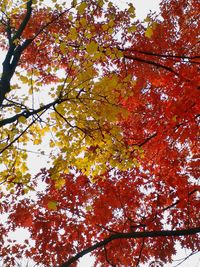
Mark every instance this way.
x=116 y=101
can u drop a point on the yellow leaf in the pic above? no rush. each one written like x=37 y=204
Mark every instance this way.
x=52 y=205
x=88 y=35
x=149 y=32
x=92 y=47
x=89 y=208
x=111 y=23
x=22 y=119
x=100 y=3
x=24 y=79
x=74 y=3
x=148 y=19
x=131 y=10
x=23 y=168
x=174 y=118
x=132 y=29
x=81 y=8
x=98 y=55
x=105 y=27
x=120 y=54
x=59 y=183
x=45 y=130
x=24 y=156
x=70 y=17
x=83 y=22
x=63 y=48
x=16 y=41
x=37 y=141
x=17 y=109
x=73 y=34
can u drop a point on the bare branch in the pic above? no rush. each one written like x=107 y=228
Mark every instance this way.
x=185 y=258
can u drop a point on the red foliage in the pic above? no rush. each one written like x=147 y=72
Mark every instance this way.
x=87 y=213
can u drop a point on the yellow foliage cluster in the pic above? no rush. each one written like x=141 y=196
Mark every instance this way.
x=77 y=114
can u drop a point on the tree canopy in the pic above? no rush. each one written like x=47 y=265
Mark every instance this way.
x=116 y=102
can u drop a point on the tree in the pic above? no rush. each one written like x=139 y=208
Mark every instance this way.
x=122 y=109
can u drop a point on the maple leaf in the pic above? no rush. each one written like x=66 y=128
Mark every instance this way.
x=52 y=205
x=22 y=217
x=92 y=47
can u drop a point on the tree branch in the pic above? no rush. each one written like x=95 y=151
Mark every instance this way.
x=27 y=114
x=140 y=253
x=14 y=54
x=149 y=53
x=150 y=62
x=17 y=138
x=145 y=234
x=25 y=21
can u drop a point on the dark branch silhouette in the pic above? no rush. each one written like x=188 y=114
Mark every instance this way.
x=166 y=233
x=14 y=53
